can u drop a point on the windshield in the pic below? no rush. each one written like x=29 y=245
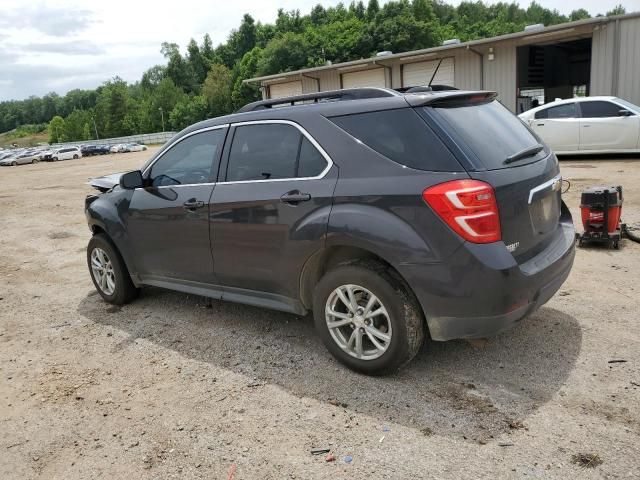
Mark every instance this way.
x=492 y=133
x=629 y=105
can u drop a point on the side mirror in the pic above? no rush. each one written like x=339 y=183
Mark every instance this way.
x=131 y=180
x=624 y=113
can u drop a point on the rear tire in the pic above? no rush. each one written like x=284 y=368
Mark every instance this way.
x=401 y=322
x=14 y=164
x=109 y=272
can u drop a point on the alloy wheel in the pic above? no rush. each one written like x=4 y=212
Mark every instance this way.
x=102 y=271
x=358 y=322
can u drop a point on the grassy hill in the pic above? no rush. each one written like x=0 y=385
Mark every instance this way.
x=25 y=136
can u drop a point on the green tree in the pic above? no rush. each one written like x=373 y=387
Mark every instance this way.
x=217 y=90
x=617 y=10
x=188 y=111
x=244 y=93
x=56 y=129
x=579 y=14
x=112 y=107
x=86 y=132
x=373 y=7
x=284 y=53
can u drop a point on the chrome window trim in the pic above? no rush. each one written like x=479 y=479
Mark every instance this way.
x=290 y=179
x=175 y=142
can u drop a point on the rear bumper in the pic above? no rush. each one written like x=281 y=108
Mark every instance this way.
x=482 y=291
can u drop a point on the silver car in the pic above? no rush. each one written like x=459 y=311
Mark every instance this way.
x=20 y=158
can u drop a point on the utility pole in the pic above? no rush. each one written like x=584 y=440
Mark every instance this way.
x=95 y=128
x=162 y=115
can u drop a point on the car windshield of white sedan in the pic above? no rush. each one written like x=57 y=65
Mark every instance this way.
x=629 y=105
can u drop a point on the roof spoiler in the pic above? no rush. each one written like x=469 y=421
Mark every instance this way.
x=329 y=96
x=452 y=98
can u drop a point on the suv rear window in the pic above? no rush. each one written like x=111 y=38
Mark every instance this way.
x=402 y=136
x=491 y=132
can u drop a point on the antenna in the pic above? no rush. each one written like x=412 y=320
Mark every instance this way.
x=434 y=73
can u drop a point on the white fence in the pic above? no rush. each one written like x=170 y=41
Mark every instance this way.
x=145 y=138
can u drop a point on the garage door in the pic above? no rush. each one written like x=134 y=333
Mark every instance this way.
x=364 y=78
x=419 y=73
x=288 y=89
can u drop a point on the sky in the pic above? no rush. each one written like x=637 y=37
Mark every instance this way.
x=59 y=45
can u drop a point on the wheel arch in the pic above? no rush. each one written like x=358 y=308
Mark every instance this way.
x=328 y=258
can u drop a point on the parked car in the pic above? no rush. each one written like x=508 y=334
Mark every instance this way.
x=136 y=147
x=118 y=148
x=587 y=125
x=66 y=153
x=88 y=150
x=102 y=149
x=20 y=158
x=446 y=217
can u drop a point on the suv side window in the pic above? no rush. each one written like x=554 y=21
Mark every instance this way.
x=400 y=135
x=190 y=161
x=568 y=110
x=599 y=109
x=311 y=162
x=270 y=151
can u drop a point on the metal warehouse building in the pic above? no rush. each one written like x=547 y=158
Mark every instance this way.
x=598 y=56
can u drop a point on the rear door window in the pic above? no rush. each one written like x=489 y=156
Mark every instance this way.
x=400 y=135
x=272 y=151
x=568 y=110
x=490 y=131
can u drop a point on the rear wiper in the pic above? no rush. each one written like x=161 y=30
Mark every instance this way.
x=527 y=152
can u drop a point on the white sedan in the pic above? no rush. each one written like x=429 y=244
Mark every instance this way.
x=587 y=125
x=136 y=147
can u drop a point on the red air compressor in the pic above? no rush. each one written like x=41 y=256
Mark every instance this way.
x=601 y=208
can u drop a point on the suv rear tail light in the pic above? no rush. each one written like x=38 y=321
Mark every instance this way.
x=469 y=207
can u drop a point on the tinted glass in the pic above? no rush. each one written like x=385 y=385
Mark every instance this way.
x=599 y=109
x=311 y=162
x=561 y=111
x=193 y=160
x=490 y=131
x=263 y=152
x=400 y=135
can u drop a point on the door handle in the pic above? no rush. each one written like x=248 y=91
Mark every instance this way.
x=294 y=197
x=193 y=204
x=539 y=124
x=585 y=126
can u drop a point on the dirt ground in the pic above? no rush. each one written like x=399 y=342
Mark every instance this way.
x=168 y=388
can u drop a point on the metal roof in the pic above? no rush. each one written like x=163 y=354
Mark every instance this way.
x=509 y=36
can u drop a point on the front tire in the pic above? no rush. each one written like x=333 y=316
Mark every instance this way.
x=75 y=157
x=367 y=319
x=109 y=272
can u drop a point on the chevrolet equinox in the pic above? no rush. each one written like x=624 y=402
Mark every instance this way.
x=389 y=216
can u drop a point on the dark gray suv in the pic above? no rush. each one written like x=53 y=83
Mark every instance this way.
x=389 y=216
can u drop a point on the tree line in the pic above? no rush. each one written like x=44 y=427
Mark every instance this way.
x=206 y=81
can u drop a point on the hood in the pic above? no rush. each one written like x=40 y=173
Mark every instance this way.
x=106 y=182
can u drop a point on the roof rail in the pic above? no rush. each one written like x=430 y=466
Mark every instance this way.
x=317 y=97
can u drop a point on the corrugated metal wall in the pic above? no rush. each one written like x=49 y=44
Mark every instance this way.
x=622 y=48
x=329 y=80
x=602 y=48
x=629 y=64
x=500 y=73
x=467 y=70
